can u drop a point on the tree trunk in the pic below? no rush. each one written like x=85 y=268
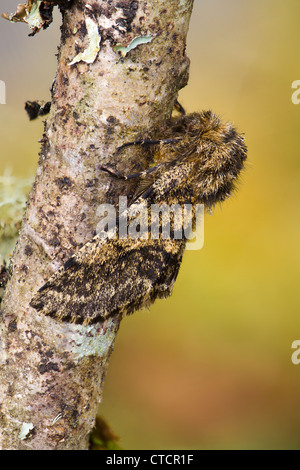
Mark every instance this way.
x=52 y=374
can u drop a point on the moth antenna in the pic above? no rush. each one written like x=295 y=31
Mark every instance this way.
x=116 y=174
x=146 y=143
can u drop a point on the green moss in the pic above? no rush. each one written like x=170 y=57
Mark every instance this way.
x=103 y=437
x=88 y=341
x=13 y=197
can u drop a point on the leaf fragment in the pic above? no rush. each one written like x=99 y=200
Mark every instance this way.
x=33 y=13
x=90 y=53
x=26 y=428
x=133 y=44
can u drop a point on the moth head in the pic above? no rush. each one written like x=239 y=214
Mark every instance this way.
x=218 y=156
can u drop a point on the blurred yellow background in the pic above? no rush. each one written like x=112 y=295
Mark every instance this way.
x=211 y=366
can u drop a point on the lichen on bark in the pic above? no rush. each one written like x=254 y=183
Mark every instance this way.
x=52 y=374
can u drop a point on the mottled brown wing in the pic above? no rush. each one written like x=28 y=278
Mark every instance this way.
x=108 y=277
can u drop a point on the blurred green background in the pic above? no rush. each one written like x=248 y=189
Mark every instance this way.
x=211 y=366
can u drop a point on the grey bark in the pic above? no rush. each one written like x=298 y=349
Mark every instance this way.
x=52 y=374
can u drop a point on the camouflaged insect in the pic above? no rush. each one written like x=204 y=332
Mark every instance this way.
x=201 y=160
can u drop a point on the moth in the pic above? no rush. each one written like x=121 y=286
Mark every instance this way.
x=199 y=161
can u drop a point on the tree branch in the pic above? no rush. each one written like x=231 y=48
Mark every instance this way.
x=52 y=374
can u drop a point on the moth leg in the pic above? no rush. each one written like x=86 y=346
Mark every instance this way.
x=113 y=172
x=179 y=108
x=116 y=174
x=146 y=143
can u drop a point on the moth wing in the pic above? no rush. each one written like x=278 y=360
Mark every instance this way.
x=144 y=187
x=112 y=276
x=151 y=180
